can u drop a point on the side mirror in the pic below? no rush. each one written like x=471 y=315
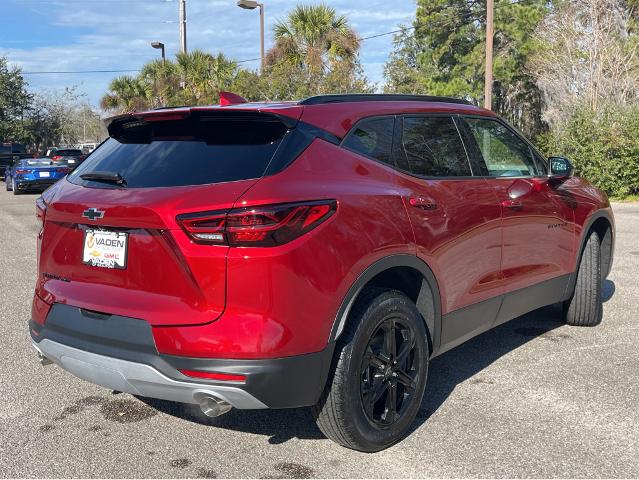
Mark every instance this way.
x=560 y=168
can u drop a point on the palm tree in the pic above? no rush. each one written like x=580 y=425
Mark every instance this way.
x=126 y=94
x=161 y=82
x=223 y=72
x=314 y=37
x=204 y=75
x=194 y=70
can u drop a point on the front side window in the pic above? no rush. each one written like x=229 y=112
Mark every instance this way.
x=432 y=147
x=372 y=138
x=505 y=154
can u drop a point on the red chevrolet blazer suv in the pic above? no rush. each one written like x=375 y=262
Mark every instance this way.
x=308 y=254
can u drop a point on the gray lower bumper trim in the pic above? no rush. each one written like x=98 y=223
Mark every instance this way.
x=137 y=378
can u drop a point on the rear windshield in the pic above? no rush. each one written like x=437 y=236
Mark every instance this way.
x=69 y=160
x=38 y=162
x=70 y=153
x=195 y=151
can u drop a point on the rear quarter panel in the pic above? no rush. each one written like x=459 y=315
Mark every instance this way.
x=282 y=301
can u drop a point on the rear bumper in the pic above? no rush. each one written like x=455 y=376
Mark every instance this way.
x=119 y=353
x=27 y=184
x=138 y=378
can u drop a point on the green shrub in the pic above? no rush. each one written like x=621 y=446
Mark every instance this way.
x=604 y=148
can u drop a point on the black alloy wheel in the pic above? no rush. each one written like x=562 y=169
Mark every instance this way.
x=389 y=372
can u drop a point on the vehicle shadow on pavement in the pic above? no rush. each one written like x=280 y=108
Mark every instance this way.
x=469 y=359
x=279 y=425
x=445 y=372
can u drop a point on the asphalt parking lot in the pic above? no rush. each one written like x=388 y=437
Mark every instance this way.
x=533 y=398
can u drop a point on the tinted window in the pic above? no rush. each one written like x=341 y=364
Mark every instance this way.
x=432 y=147
x=505 y=154
x=11 y=148
x=69 y=153
x=373 y=138
x=38 y=162
x=185 y=152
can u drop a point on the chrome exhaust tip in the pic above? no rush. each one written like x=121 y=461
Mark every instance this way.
x=212 y=406
x=44 y=361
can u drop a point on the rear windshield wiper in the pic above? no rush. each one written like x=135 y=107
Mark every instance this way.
x=109 y=177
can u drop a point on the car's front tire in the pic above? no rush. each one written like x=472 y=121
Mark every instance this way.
x=585 y=307
x=379 y=373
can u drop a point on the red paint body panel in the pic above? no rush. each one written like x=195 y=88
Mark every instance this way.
x=460 y=239
x=538 y=234
x=169 y=280
x=281 y=301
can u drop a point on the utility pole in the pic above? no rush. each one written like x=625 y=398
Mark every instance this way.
x=261 y=5
x=490 y=32
x=183 y=26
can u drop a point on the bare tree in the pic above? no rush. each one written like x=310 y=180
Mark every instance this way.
x=589 y=56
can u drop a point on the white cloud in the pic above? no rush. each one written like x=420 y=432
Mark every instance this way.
x=121 y=31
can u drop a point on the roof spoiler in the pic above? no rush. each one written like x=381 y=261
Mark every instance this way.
x=229 y=98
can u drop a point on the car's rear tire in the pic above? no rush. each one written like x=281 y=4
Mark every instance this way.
x=378 y=375
x=585 y=307
x=7 y=184
x=14 y=187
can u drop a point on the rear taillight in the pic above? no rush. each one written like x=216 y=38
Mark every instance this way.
x=55 y=157
x=263 y=226
x=41 y=209
x=22 y=171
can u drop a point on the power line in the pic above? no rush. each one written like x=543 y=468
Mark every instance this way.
x=403 y=29
x=139 y=70
x=80 y=71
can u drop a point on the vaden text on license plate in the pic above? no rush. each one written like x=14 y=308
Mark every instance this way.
x=105 y=249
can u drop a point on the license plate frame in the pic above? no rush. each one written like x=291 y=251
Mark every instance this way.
x=103 y=248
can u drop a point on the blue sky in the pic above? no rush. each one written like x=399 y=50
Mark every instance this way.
x=46 y=35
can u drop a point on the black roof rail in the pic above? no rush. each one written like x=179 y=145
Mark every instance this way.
x=379 y=97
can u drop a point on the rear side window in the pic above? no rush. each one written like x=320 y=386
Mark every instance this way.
x=194 y=151
x=432 y=147
x=372 y=138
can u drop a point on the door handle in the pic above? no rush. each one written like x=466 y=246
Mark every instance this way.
x=424 y=203
x=512 y=204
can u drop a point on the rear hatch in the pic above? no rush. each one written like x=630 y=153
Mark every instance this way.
x=111 y=242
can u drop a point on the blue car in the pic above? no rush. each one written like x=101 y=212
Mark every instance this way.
x=33 y=174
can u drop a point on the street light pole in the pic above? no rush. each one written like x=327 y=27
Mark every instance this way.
x=183 y=26
x=252 y=5
x=159 y=45
x=488 y=82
